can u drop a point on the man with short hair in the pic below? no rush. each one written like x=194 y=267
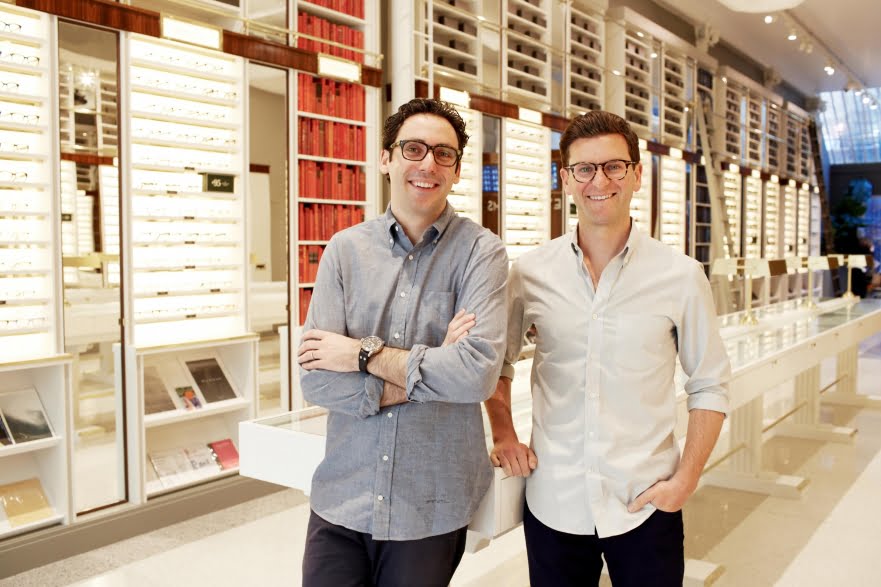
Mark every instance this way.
x=612 y=308
x=406 y=463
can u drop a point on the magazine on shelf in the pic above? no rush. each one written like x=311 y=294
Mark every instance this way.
x=24 y=415
x=188 y=397
x=172 y=466
x=24 y=502
x=226 y=453
x=202 y=459
x=156 y=396
x=211 y=379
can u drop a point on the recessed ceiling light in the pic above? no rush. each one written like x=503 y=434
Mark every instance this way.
x=653 y=55
x=640 y=34
x=769 y=19
x=792 y=36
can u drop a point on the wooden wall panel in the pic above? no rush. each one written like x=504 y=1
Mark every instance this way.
x=101 y=13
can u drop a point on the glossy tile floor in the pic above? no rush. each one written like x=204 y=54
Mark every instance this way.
x=828 y=537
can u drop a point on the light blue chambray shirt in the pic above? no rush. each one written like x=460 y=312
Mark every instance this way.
x=421 y=468
x=603 y=395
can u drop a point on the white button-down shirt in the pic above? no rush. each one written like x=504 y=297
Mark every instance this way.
x=604 y=405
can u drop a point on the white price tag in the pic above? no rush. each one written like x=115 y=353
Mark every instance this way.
x=817 y=263
x=856 y=261
x=756 y=267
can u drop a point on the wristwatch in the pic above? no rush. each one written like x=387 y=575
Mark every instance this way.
x=370 y=345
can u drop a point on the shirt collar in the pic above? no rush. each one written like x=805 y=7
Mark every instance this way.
x=439 y=226
x=629 y=246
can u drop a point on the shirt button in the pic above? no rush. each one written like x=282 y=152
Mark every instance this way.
x=410 y=257
x=397 y=336
x=379 y=497
x=403 y=294
x=391 y=240
x=389 y=414
x=594 y=316
x=385 y=457
x=590 y=434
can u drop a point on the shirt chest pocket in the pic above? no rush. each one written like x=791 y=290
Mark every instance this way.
x=432 y=316
x=643 y=339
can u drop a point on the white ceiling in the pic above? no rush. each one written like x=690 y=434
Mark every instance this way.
x=848 y=31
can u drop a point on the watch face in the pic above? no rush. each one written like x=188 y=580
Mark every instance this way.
x=371 y=344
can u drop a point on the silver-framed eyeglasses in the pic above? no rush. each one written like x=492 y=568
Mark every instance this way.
x=416 y=150
x=614 y=170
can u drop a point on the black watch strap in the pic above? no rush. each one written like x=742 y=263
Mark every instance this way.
x=363 y=355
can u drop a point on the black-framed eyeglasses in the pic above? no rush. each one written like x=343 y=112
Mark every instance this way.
x=614 y=170
x=416 y=150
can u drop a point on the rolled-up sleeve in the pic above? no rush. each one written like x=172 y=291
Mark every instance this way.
x=516 y=323
x=356 y=394
x=701 y=350
x=467 y=372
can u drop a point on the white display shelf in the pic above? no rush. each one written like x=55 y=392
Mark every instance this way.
x=179 y=416
x=177 y=214
x=816 y=224
x=731 y=188
x=526 y=50
x=467 y=195
x=453 y=32
x=638 y=71
x=162 y=378
x=641 y=203
x=44 y=459
x=526 y=189
x=771 y=224
x=672 y=203
x=755 y=131
x=793 y=126
x=790 y=202
x=805 y=157
x=752 y=217
x=730 y=97
x=804 y=221
x=774 y=136
x=677 y=84
x=28 y=212
x=585 y=57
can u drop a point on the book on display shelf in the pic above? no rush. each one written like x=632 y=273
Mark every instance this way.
x=211 y=379
x=316 y=26
x=226 y=453
x=203 y=459
x=172 y=466
x=24 y=502
x=156 y=396
x=23 y=415
x=188 y=397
